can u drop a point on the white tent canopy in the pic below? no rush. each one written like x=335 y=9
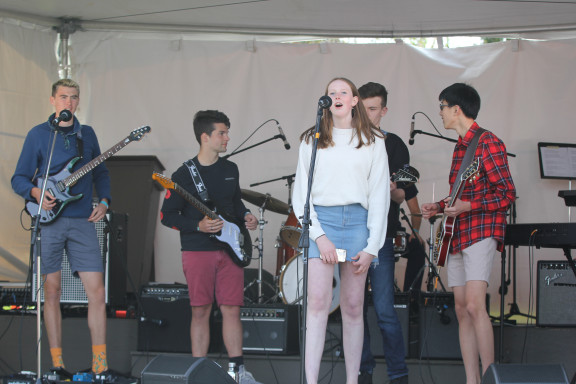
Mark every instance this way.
x=367 y=18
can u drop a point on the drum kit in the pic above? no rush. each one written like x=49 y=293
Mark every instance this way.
x=289 y=265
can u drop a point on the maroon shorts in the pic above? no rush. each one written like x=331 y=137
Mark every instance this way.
x=212 y=274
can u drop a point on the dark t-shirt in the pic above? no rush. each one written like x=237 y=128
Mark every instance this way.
x=222 y=183
x=398 y=156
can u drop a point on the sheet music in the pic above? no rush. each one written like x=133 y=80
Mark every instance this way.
x=558 y=161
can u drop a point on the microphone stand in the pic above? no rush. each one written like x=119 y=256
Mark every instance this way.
x=417 y=131
x=290 y=179
x=439 y=136
x=304 y=242
x=36 y=244
x=252 y=146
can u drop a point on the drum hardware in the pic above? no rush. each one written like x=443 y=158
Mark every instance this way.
x=265 y=201
x=260 y=246
x=285 y=250
x=291 y=283
x=433 y=274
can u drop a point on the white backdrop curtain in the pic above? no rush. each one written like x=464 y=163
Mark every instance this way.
x=128 y=80
x=27 y=70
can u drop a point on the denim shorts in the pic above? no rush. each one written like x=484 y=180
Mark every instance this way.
x=345 y=226
x=79 y=238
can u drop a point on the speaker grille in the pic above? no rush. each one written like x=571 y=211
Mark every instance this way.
x=72 y=288
x=556 y=303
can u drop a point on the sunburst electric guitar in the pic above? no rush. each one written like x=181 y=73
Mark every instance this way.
x=59 y=184
x=234 y=238
x=446 y=229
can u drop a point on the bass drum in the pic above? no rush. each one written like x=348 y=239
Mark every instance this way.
x=291 y=283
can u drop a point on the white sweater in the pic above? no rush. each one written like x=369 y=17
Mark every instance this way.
x=345 y=175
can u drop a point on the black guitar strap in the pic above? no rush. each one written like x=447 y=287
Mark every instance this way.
x=469 y=156
x=200 y=186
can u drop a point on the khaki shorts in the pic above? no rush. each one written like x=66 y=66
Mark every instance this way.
x=473 y=263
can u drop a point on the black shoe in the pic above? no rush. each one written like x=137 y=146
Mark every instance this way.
x=400 y=380
x=112 y=377
x=365 y=378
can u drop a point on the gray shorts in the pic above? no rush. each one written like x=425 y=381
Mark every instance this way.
x=473 y=263
x=79 y=238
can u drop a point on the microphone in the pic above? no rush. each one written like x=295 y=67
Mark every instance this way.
x=325 y=102
x=412 y=133
x=158 y=322
x=444 y=319
x=65 y=115
x=283 y=136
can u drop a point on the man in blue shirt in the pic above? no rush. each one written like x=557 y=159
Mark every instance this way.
x=73 y=229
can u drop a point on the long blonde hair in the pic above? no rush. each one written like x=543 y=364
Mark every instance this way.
x=364 y=128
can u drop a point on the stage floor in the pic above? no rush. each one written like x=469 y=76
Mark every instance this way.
x=522 y=344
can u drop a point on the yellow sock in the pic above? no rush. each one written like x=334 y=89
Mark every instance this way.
x=57 y=357
x=99 y=362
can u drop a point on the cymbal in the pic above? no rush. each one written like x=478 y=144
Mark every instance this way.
x=272 y=204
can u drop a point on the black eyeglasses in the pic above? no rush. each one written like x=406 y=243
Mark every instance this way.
x=443 y=105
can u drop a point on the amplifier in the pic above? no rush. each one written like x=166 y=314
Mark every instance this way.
x=270 y=329
x=402 y=308
x=112 y=240
x=556 y=294
x=439 y=326
x=164 y=321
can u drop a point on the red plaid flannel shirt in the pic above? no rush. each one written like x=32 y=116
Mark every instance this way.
x=491 y=193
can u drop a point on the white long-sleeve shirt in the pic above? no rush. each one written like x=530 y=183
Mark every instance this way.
x=346 y=175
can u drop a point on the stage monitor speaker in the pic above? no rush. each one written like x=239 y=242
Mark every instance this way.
x=112 y=240
x=175 y=369
x=556 y=294
x=402 y=307
x=439 y=326
x=269 y=329
x=525 y=374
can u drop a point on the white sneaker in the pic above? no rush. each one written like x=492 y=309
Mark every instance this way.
x=245 y=377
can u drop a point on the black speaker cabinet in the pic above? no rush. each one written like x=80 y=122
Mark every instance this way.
x=175 y=369
x=439 y=326
x=164 y=321
x=268 y=329
x=525 y=374
x=402 y=307
x=556 y=294
x=113 y=245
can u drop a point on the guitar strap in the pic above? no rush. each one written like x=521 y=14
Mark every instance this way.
x=200 y=186
x=468 y=156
